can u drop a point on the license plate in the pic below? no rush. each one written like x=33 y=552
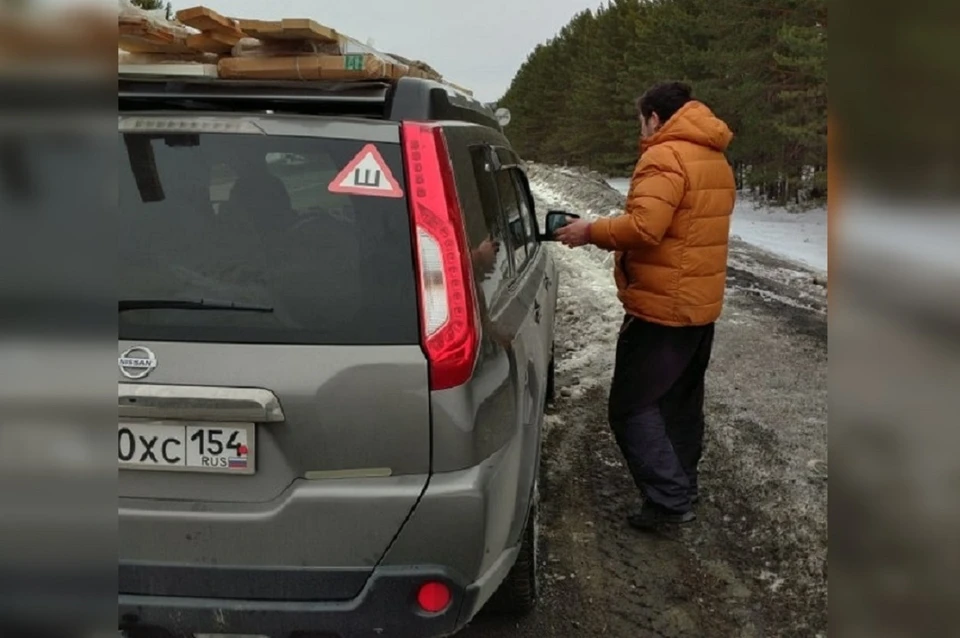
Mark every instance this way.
x=187 y=447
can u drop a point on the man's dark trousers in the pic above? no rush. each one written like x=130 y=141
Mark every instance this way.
x=656 y=407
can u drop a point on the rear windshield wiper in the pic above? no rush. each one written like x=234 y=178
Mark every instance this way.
x=189 y=304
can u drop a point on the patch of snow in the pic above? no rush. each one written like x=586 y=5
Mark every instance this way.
x=766 y=295
x=622 y=184
x=774 y=582
x=552 y=422
x=800 y=237
x=552 y=197
x=587 y=287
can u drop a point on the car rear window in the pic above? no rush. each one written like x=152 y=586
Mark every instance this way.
x=249 y=220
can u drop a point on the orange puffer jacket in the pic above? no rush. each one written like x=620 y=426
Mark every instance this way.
x=671 y=240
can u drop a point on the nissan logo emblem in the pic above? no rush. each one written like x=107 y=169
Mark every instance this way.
x=137 y=362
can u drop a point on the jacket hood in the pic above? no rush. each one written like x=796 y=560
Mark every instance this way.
x=695 y=123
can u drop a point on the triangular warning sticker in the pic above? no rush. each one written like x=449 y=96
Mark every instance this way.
x=366 y=174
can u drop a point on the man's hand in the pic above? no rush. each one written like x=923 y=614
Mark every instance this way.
x=574 y=234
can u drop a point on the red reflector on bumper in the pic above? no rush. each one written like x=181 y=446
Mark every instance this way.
x=433 y=597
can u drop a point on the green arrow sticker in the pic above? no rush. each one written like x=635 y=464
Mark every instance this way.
x=353 y=62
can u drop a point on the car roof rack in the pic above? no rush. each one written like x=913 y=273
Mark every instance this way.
x=406 y=98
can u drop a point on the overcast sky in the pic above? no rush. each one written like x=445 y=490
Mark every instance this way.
x=476 y=44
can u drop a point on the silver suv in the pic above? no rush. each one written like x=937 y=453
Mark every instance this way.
x=336 y=327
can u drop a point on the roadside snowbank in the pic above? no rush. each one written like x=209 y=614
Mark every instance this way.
x=575 y=191
x=588 y=309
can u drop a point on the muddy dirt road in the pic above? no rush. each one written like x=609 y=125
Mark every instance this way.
x=754 y=563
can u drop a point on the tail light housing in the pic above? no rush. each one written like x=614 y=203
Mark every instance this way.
x=448 y=312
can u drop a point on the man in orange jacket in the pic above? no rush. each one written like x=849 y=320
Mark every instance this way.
x=671 y=260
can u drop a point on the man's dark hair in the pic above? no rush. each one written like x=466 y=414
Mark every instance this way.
x=664 y=99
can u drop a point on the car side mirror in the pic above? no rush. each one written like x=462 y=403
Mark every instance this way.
x=557 y=219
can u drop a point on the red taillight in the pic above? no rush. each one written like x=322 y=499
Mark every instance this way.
x=447 y=305
x=433 y=597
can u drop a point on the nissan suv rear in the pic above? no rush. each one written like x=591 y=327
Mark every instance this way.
x=335 y=351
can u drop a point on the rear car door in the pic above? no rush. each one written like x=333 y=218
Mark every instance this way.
x=531 y=274
x=504 y=307
x=546 y=304
x=274 y=401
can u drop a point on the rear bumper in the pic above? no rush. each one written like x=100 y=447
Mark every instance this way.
x=464 y=532
x=386 y=606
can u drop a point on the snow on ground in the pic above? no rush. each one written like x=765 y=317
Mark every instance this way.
x=800 y=237
x=622 y=184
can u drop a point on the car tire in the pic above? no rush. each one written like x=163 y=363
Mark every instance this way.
x=519 y=591
x=551 y=380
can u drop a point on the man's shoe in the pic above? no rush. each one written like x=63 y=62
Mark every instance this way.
x=652 y=516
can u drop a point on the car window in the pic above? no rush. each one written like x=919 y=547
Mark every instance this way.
x=510 y=205
x=250 y=219
x=492 y=264
x=526 y=210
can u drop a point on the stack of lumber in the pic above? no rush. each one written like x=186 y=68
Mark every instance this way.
x=287 y=49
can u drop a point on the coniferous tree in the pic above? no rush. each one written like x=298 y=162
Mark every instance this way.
x=153 y=5
x=759 y=66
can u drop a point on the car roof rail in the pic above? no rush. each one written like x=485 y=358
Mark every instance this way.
x=362 y=98
x=421 y=99
x=406 y=98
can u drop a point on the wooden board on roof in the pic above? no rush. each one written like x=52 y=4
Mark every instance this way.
x=288 y=29
x=211 y=24
x=418 y=68
x=252 y=47
x=312 y=67
x=143 y=65
x=136 y=44
x=210 y=42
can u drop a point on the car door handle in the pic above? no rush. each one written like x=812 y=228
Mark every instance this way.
x=537 y=315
